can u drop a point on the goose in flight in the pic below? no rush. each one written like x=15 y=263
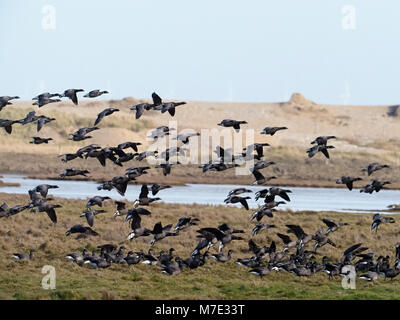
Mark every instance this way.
x=38 y=140
x=348 y=181
x=272 y=130
x=5 y=100
x=71 y=94
x=144 y=200
x=137 y=230
x=95 y=93
x=322 y=140
x=374 y=166
x=232 y=123
x=323 y=148
x=105 y=113
x=237 y=199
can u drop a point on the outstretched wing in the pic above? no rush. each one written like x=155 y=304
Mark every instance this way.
x=144 y=192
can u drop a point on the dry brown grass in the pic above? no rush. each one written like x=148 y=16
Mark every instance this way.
x=213 y=281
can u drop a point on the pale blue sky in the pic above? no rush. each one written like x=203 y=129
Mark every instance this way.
x=204 y=50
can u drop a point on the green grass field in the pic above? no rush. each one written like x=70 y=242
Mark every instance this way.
x=22 y=280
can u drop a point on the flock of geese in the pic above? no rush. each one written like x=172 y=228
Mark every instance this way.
x=296 y=255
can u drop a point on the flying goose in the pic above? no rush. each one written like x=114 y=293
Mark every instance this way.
x=49 y=209
x=159 y=232
x=7 y=124
x=260 y=227
x=78 y=228
x=333 y=226
x=170 y=107
x=184 y=137
x=272 y=130
x=185 y=222
x=374 y=166
x=81 y=134
x=129 y=144
x=261 y=165
x=323 y=148
x=5 y=100
x=96 y=201
x=237 y=199
x=43 y=189
x=144 y=200
x=89 y=215
x=238 y=191
x=232 y=123
x=105 y=113
x=95 y=93
x=260 y=179
x=71 y=94
x=38 y=140
x=42 y=120
x=137 y=229
x=257 y=147
x=348 y=181
x=322 y=140
x=73 y=172
x=258 y=215
x=42 y=101
x=378 y=220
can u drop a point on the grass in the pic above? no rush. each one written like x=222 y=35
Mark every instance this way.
x=213 y=281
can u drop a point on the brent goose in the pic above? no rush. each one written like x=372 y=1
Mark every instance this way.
x=221 y=257
x=260 y=227
x=272 y=130
x=184 y=137
x=232 y=123
x=323 y=148
x=43 y=189
x=374 y=166
x=129 y=144
x=89 y=215
x=42 y=101
x=24 y=256
x=105 y=113
x=71 y=94
x=237 y=199
x=322 y=140
x=78 y=228
x=377 y=220
x=238 y=191
x=260 y=179
x=333 y=226
x=5 y=100
x=186 y=222
x=74 y=172
x=159 y=232
x=95 y=93
x=96 y=201
x=170 y=107
x=348 y=181
x=144 y=200
x=38 y=140
x=137 y=229
x=42 y=120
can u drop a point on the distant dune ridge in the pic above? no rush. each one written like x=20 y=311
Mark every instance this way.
x=365 y=134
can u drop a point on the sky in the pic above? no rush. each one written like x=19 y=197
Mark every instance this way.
x=334 y=52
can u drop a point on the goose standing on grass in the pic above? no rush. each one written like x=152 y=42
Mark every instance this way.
x=95 y=93
x=174 y=267
x=221 y=257
x=105 y=113
x=374 y=166
x=24 y=256
x=71 y=94
x=260 y=271
x=232 y=123
x=348 y=181
x=38 y=140
x=272 y=130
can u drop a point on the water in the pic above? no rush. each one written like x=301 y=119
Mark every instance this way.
x=313 y=199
